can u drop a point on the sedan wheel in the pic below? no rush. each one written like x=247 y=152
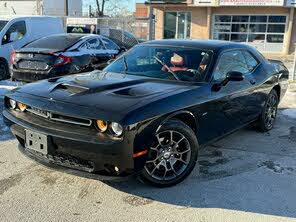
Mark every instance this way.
x=172 y=155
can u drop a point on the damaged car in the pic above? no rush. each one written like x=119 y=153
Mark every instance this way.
x=62 y=54
x=150 y=111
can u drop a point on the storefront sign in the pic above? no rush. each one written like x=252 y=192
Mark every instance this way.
x=252 y=2
x=204 y=2
x=291 y=3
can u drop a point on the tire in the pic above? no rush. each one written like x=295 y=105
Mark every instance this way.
x=4 y=70
x=268 y=116
x=170 y=161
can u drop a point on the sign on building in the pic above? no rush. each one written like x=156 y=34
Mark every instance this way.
x=291 y=3
x=204 y=2
x=252 y=2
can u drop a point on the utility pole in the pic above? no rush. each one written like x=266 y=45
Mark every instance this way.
x=66 y=8
x=151 y=21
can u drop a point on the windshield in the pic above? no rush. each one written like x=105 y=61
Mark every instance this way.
x=176 y=63
x=55 y=42
x=2 y=24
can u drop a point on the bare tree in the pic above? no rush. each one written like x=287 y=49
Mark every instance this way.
x=101 y=7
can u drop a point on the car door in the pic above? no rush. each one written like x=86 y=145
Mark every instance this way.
x=228 y=107
x=14 y=38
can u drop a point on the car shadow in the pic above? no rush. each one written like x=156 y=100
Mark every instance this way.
x=234 y=174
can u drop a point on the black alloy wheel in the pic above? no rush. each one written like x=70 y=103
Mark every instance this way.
x=268 y=117
x=172 y=155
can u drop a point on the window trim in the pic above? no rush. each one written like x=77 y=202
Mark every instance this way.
x=189 y=12
x=229 y=50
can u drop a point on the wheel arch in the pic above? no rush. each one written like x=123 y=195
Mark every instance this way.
x=277 y=88
x=185 y=116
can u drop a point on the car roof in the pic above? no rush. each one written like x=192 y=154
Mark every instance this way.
x=215 y=45
x=38 y=17
x=76 y=35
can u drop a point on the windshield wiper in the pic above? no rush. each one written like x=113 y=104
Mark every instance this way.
x=168 y=68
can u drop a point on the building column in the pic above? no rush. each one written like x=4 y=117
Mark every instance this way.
x=289 y=32
x=209 y=21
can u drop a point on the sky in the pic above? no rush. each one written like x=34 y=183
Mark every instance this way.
x=86 y=4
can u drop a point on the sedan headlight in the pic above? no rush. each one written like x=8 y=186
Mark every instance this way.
x=102 y=125
x=116 y=128
x=12 y=104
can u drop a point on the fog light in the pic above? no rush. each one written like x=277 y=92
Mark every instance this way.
x=102 y=125
x=22 y=107
x=116 y=129
x=12 y=104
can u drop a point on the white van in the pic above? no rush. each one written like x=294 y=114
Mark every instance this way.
x=15 y=32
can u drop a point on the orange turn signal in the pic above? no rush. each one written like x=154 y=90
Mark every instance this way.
x=140 y=153
x=102 y=125
x=22 y=107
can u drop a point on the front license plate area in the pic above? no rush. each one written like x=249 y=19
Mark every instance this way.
x=37 y=142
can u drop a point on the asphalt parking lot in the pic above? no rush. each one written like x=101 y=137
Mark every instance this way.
x=247 y=176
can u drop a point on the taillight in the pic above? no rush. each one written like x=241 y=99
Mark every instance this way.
x=62 y=60
x=12 y=60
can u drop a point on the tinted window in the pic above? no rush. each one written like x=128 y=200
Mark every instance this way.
x=251 y=61
x=93 y=44
x=55 y=42
x=16 y=32
x=2 y=24
x=110 y=45
x=230 y=61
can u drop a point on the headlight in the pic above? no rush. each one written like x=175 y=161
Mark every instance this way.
x=116 y=129
x=102 y=125
x=22 y=107
x=12 y=104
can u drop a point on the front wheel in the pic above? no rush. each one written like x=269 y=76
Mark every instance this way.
x=172 y=156
x=267 y=118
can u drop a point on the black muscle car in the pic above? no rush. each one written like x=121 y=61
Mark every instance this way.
x=62 y=54
x=149 y=111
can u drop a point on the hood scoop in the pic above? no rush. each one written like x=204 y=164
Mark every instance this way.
x=71 y=89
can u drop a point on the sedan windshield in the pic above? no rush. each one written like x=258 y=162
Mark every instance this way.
x=2 y=24
x=176 y=63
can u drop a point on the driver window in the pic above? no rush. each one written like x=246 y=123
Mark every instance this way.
x=16 y=32
x=230 y=61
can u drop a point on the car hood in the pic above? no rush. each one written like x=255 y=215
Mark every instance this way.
x=110 y=92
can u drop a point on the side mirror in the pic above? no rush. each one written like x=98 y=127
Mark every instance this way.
x=235 y=76
x=232 y=76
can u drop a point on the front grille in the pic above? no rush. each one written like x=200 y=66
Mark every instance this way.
x=59 y=117
x=33 y=65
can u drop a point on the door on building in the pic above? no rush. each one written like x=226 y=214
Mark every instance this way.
x=177 y=25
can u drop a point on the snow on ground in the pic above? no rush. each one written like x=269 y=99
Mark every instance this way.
x=291 y=113
x=7 y=85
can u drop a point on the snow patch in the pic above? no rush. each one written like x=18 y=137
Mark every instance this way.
x=290 y=113
x=6 y=86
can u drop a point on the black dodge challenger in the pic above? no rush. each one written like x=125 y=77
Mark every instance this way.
x=149 y=111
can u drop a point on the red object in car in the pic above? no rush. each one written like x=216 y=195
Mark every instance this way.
x=12 y=57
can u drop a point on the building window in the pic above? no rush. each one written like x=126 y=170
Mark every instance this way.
x=264 y=32
x=177 y=25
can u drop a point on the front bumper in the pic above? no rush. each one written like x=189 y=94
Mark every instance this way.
x=74 y=149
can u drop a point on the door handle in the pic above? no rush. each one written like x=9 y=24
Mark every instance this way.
x=253 y=82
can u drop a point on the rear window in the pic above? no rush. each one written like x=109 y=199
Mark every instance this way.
x=56 y=42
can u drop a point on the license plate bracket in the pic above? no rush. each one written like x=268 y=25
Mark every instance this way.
x=36 y=141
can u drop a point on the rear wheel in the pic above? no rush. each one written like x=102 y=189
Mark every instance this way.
x=4 y=71
x=172 y=155
x=267 y=118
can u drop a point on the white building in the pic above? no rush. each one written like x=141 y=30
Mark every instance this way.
x=41 y=7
